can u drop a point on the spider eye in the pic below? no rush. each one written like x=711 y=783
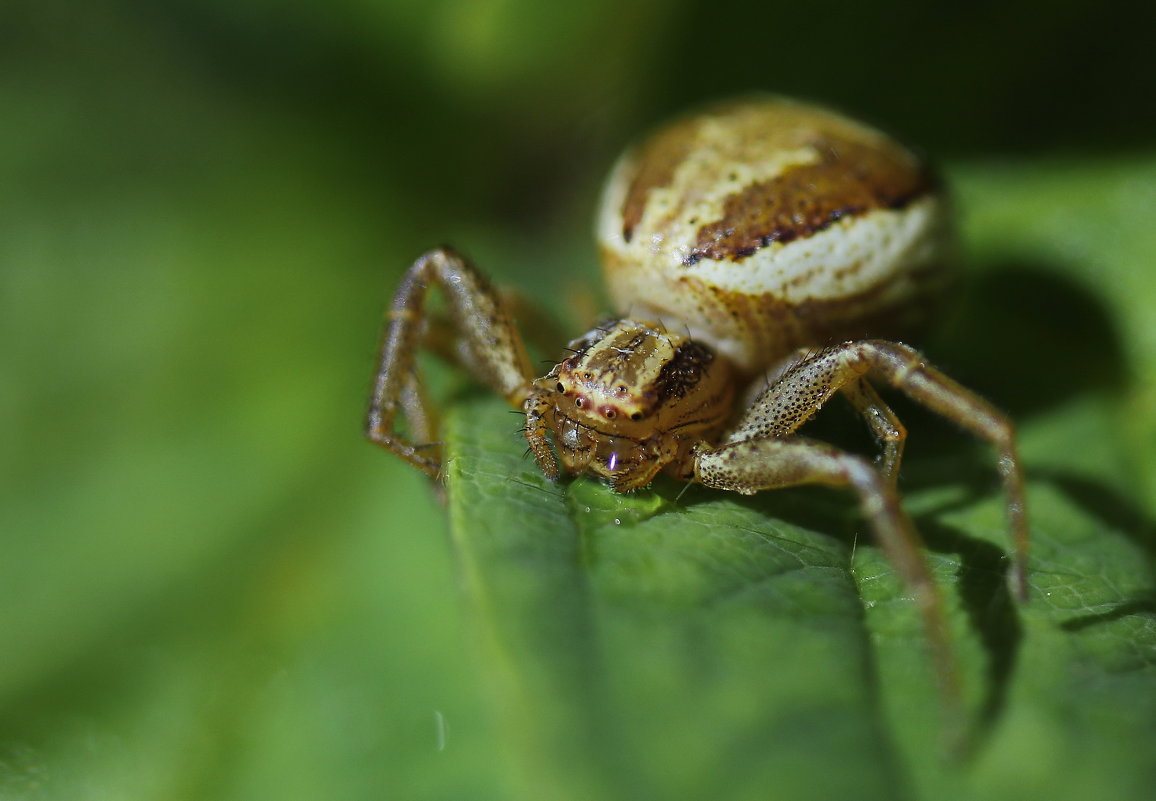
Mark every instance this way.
x=636 y=416
x=561 y=388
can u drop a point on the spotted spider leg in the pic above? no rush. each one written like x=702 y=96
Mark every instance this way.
x=762 y=452
x=481 y=336
x=779 y=411
x=883 y=423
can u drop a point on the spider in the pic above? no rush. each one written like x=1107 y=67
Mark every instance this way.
x=757 y=237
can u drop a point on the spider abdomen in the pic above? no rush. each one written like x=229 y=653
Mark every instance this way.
x=765 y=225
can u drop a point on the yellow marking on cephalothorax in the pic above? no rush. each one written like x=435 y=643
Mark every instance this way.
x=630 y=354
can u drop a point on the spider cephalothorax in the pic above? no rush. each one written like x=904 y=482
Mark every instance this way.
x=632 y=399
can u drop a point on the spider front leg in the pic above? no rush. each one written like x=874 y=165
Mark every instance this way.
x=805 y=387
x=481 y=336
x=750 y=465
x=888 y=431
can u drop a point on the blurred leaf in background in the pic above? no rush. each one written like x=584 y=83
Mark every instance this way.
x=211 y=587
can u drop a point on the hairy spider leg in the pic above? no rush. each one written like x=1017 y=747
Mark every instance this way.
x=485 y=341
x=803 y=389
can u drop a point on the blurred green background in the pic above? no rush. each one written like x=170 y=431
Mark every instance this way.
x=210 y=586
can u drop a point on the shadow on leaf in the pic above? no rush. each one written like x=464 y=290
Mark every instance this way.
x=1030 y=338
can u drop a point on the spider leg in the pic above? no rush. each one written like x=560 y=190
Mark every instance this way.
x=888 y=431
x=417 y=411
x=906 y=370
x=483 y=338
x=751 y=465
x=803 y=389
